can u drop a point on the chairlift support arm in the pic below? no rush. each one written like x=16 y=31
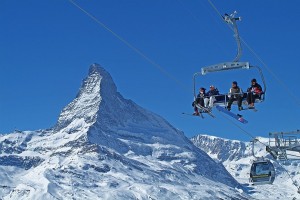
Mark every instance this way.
x=253 y=145
x=231 y=20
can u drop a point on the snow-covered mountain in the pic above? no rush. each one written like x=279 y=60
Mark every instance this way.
x=107 y=147
x=236 y=156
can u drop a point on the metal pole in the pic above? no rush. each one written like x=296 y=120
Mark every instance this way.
x=194 y=82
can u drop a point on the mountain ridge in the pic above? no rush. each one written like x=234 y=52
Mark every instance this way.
x=236 y=156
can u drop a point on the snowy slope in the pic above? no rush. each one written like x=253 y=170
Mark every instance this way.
x=107 y=147
x=236 y=156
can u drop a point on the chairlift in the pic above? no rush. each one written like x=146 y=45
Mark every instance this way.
x=222 y=100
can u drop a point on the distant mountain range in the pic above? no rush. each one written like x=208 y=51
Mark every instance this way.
x=236 y=156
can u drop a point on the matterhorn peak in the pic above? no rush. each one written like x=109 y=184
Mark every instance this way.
x=96 y=86
x=95 y=68
x=106 y=79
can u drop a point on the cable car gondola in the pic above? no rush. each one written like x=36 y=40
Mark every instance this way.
x=262 y=172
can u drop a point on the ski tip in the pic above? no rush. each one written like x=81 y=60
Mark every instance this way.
x=243 y=120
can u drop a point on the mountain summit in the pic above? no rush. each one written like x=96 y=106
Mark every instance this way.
x=107 y=147
x=86 y=104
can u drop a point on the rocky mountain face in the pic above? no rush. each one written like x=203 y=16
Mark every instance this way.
x=107 y=147
x=223 y=149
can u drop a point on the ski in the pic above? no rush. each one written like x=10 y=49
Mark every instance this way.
x=231 y=114
x=204 y=110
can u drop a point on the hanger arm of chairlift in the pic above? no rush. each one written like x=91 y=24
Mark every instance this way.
x=231 y=20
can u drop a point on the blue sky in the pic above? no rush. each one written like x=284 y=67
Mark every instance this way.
x=48 y=46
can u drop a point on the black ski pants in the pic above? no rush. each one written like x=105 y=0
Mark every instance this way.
x=251 y=97
x=235 y=98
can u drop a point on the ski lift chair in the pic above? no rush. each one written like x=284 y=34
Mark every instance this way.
x=234 y=65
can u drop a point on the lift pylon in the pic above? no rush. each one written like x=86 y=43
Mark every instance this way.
x=281 y=142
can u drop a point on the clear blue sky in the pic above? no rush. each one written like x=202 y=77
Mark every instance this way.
x=46 y=48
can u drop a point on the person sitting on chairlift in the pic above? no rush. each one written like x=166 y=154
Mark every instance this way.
x=199 y=100
x=253 y=92
x=210 y=99
x=235 y=94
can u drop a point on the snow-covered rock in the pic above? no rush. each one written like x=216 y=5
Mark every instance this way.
x=107 y=147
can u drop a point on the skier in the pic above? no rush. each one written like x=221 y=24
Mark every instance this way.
x=253 y=92
x=210 y=99
x=199 y=100
x=235 y=93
